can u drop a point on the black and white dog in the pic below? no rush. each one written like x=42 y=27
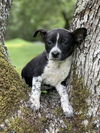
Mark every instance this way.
x=52 y=67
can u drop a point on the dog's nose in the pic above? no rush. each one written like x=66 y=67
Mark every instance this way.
x=55 y=54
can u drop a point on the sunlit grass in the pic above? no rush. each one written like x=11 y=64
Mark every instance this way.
x=21 y=52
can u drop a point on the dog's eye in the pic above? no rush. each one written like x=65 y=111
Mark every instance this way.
x=49 y=43
x=64 y=43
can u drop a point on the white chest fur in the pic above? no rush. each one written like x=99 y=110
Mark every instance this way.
x=56 y=71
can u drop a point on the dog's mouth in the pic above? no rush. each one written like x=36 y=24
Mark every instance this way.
x=55 y=59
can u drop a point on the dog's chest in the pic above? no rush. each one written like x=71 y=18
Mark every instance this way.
x=55 y=72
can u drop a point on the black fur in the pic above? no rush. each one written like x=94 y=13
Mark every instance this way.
x=34 y=68
x=67 y=43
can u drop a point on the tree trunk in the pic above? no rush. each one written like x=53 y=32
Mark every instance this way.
x=86 y=62
x=4 y=12
x=83 y=85
x=12 y=88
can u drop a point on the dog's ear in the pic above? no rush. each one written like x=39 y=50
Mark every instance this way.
x=42 y=32
x=79 y=35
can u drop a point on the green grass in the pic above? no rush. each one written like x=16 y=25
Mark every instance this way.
x=21 y=52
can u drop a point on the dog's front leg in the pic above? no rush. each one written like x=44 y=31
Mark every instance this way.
x=65 y=104
x=34 y=100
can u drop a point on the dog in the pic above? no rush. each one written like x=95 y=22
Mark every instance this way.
x=52 y=67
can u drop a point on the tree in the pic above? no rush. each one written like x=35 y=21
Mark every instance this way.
x=83 y=86
x=86 y=62
x=12 y=88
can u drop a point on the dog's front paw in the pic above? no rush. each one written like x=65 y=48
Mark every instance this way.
x=34 y=105
x=68 y=111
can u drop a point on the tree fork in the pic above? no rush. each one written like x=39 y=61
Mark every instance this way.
x=83 y=85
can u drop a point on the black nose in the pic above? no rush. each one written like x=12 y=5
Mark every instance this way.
x=55 y=54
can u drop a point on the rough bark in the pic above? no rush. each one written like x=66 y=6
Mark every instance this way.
x=83 y=86
x=4 y=13
x=86 y=60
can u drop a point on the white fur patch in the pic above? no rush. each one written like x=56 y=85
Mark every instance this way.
x=57 y=38
x=67 y=108
x=35 y=93
x=55 y=48
x=56 y=71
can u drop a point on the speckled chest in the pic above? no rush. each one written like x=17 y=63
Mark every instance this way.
x=56 y=71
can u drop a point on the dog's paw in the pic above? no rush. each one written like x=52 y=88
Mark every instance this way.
x=34 y=105
x=68 y=111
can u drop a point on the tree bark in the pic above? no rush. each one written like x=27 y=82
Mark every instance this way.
x=83 y=85
x=4 y=13
x=86 y=62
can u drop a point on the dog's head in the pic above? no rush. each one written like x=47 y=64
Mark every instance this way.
x=60 y=43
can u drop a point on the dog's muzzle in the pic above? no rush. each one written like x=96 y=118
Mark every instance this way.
x=55 y=54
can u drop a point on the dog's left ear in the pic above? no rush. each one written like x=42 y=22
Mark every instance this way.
x=79 y=35
x=42 y=32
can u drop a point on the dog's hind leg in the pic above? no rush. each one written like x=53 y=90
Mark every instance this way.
x=34 y=101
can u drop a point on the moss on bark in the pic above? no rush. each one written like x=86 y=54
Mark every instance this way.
x=81 y=122
x=12 y=89
x=29 y=122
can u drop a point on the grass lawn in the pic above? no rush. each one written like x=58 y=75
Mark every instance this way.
x=21 y=52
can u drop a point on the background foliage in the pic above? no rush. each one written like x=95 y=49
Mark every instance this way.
x=27 y=16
